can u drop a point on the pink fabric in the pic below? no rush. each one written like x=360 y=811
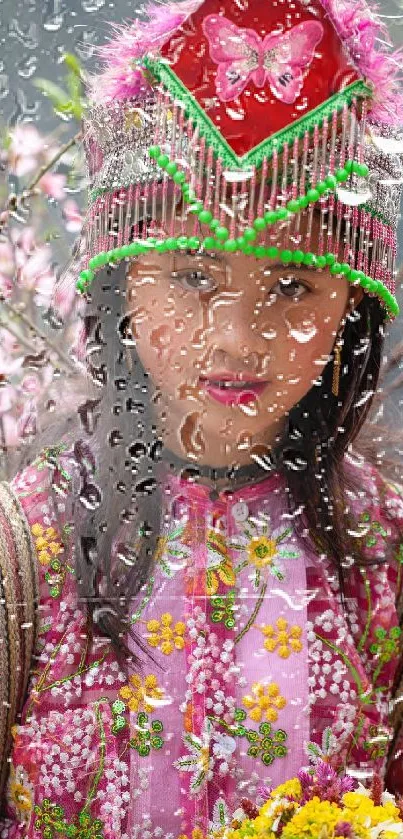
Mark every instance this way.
x=248 y=632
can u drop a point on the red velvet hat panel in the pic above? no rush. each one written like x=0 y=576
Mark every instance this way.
x=257 y=67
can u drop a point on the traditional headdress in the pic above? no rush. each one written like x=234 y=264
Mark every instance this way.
x=248 y=115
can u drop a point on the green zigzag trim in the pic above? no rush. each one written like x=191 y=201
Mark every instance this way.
x=195 y=112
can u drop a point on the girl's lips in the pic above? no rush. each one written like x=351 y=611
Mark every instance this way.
x=231 y=395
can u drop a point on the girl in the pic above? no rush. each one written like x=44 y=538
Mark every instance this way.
x=201 y=576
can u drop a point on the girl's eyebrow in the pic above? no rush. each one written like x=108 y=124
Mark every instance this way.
x=291 y=267
x=214 y=255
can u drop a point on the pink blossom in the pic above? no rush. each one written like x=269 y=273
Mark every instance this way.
x=53 y=185
x=72 y=216
x=7 y=269
x=25 y=148
x=11 y=357
x=33 y=265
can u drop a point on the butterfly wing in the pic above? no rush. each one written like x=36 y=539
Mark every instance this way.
x=288 y=55
x=238 y=53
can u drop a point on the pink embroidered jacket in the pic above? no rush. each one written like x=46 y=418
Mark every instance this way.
x=259 y=666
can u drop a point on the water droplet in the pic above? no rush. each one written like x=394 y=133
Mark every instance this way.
x=244 y=441
x=269 y=333
x=191 y=436
x=160 y=339
x=303 y=335
x=28 y=37
x=92 y=5
x=54 y=22
x=4 y=89
x=199 y=339
x=27 y=66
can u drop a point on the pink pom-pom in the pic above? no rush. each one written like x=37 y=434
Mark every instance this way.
x=362 y=31
x=120 y=77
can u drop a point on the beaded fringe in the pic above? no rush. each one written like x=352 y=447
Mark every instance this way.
x=152 y=207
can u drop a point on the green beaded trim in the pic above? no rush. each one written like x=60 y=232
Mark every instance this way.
x=164 y=74
x=193 y=243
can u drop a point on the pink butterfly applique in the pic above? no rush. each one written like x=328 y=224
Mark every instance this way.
x=278 y=59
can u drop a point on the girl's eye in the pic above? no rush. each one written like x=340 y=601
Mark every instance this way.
x=289 y=287
x=195 y=281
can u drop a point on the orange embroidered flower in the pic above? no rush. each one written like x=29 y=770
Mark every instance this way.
x=20 y=793
x=46 y=542
x=165 y=635
x=282 y=638
x=219 y=563
x=196 y=834
x=139 y=694
x=265 y=702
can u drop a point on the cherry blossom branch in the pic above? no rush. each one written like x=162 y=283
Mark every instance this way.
x=16 y=313
x=13 y=199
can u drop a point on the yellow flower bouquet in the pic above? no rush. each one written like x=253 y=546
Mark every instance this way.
x=320 y=804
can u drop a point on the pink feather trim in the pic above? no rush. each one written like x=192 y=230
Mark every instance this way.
x=358 y=25
x=120 y=78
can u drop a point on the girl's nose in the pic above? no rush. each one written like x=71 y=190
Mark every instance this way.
x=233 y=324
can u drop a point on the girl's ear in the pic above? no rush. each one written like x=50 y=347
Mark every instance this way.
x=355 y=297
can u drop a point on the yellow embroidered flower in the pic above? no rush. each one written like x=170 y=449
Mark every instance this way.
x=282 y=638
x=139 y=693
x=46 y=542
x=20 y=793
x=261 y=551
x=166 y=635
x=265 y=702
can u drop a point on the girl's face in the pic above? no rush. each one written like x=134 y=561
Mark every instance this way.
x=201 y=319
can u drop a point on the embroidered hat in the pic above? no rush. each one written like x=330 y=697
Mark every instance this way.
x=249 y=117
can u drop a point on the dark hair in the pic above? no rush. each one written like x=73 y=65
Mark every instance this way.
x=117 y=507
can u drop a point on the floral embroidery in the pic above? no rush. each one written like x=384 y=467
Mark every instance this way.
x=372 y=528
x=172 y=554
x=50 y=548
x=204 y=752
x=47 y=543
x=265 y=743
x=385 y=647
x=20 y=793
x=165 y=636
x=282 y=638
x=140 y=693
x=219 y=563
x=265 y=548
x=50 y=820
x=377 y=742
x=223 y=609
x=318 y=754
x=119 y=722
x=146 y=737
x=265 y=702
